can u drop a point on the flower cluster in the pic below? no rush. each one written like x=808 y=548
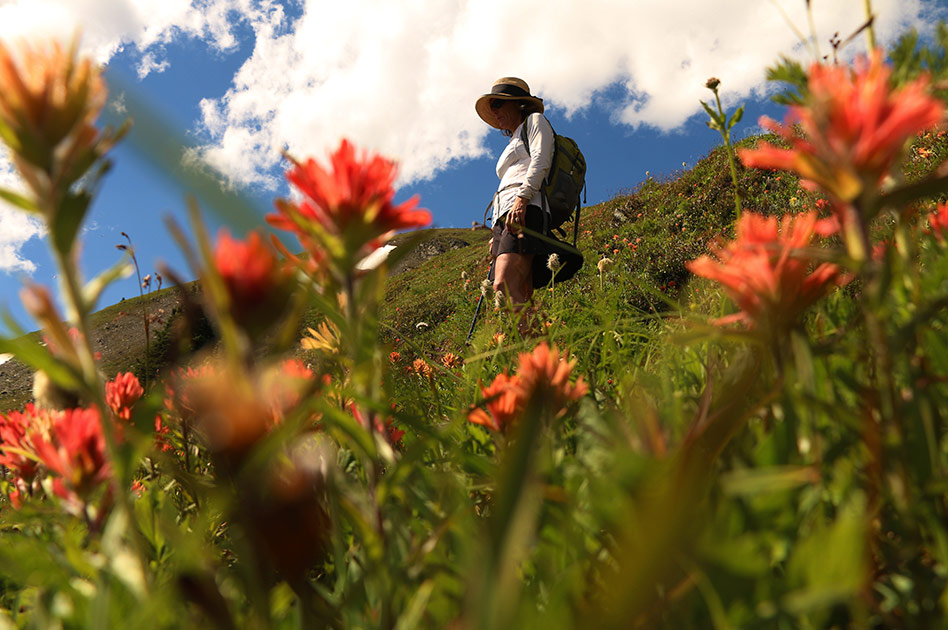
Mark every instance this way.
x=768 y=271
x=348 y=210
x=542 y=374
x=854 y=128
x=68 y=444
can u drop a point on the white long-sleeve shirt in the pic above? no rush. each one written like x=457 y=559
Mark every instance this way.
x=516 y=166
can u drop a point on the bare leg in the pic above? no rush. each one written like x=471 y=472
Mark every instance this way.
x=512 y=276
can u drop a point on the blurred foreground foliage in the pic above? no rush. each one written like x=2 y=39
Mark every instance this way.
x=709 y=477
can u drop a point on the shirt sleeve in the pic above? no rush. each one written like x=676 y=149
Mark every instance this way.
x=540 y=136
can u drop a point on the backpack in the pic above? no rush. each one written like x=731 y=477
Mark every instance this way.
x=564 y=183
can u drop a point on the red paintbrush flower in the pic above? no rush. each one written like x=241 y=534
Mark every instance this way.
x=421 y=368
x=938 y=221
x=388 y=429
x=346 y=211
x=544 y=372
x=122 y=393
x=15 y=444
x=541 y=375
x=49 y=100
x=854 y=128
x=767 y=271
x=504 y=401
x=258 y=285
x=74 y=449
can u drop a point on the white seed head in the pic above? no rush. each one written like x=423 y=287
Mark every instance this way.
x=553 y=262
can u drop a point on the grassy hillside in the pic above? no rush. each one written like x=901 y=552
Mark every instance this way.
x=649 y=233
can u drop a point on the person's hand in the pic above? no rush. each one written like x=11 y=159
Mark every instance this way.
x=517 y=215
x=490 y=247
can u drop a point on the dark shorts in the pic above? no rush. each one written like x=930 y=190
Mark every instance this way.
x=519 y=243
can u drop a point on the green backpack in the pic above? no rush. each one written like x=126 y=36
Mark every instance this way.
x=564 y=183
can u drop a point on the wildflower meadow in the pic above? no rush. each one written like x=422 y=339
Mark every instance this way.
x=733 y=417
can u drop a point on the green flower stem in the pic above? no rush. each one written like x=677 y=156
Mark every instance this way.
x=732 y=161
x=93 y=382
x=870 y=31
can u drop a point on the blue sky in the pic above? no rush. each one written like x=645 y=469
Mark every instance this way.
x=239 y=80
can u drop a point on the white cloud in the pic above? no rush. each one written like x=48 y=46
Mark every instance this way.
x=16 y=227
x=108 y=26
x=401 y=77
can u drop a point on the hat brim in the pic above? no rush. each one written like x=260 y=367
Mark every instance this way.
x=482 y=106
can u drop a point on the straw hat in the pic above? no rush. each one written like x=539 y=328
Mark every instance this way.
x=507 y=89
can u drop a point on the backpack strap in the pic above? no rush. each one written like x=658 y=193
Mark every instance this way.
x=546 y=230
x=490 y=204
x=526 y=143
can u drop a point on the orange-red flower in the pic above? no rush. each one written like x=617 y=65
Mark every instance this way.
x=504 y=401
x=284 y=386
x=452 y=361
x=854 y=128
x=49 y=100
x=421 y=368
x=391 y=432
x=15 y=444
x=233 y=408
x=347 y=210
x=74 y=449
x=122 y=393
x=257 y=283
x=544 y=372
x=938 y=221
x=543 y=375
x=162 y=435
x=766 y=270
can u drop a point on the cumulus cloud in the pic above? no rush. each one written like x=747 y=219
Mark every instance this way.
x=401 y=77
x=109 y=26
x=16 y=227
x=106 y=27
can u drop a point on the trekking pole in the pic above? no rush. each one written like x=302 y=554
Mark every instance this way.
x=490 y=277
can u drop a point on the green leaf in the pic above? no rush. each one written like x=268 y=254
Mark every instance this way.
x=715 y=116
x=94 y=288
x=9 y=137
x=416 y=607
x=791 y=72
x=27 y=351
x=736 y=117
x=830 y=565
x=67 y=220
x=18 y=200
x=754 y=481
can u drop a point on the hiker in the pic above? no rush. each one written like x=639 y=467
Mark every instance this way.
x=519 y=201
